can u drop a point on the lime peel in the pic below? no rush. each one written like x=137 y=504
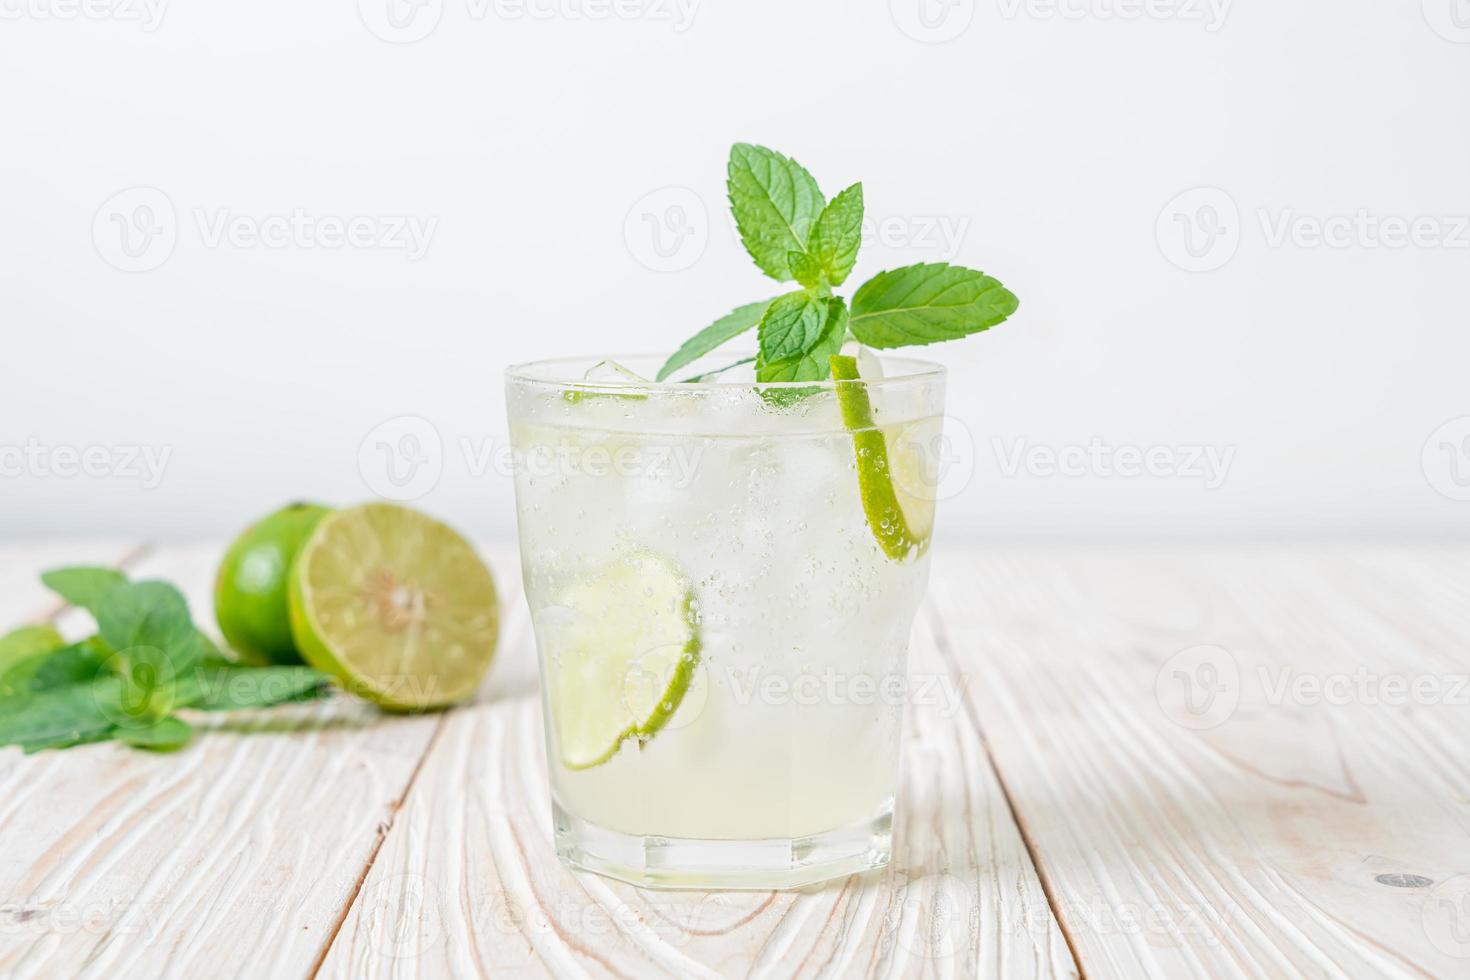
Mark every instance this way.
x=891 y=527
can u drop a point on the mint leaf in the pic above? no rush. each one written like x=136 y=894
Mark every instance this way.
x=151 y=615
x=838 y=234
x=76 y=664
x=805 y=269
x=812 y=360
x=70 y=714
x=83 y=585
x=164 y=735
x=727 y=327
x=775 y=202
x=791 y=325
x=230 y=687
x=927 y=303
x=20 y=644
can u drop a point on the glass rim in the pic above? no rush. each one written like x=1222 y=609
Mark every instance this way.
x=538 y=373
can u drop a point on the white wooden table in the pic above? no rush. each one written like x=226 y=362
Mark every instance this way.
x=1139 y=780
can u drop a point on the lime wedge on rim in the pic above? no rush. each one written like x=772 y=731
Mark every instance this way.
x=900 y=519
x=621 y=648
x=395 y=605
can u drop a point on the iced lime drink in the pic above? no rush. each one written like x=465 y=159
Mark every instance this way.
x=722 y=579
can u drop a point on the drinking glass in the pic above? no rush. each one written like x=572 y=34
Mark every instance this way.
x=722 y=580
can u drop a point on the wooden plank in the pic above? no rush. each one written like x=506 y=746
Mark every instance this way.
x=1193 y=810
x=235 y=856
x=467 y=882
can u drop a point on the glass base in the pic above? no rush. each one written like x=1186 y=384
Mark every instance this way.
x=760 y=865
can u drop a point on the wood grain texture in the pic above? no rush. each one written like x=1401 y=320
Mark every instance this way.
x=467 y=882
x=233 y=857
x=1209 y=788
x=1233 y=762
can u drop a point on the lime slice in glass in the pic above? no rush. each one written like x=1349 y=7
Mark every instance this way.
x=901 y=519
x=621 y=646
x=395 y=605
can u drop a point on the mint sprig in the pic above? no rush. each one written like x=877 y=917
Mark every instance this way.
x=795 y=235
x=147 y=661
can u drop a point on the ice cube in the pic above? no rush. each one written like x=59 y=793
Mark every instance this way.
x=613 y=372
x=869 y=367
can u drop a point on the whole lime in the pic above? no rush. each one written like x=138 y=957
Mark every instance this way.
x=250 y=591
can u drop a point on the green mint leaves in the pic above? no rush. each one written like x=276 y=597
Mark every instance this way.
x=838 y=234
x=82 y=585
x=775 y=202
x=147 y=661
x=795 y=235
x=726 y=328
x=798 y=335
x=927 y=303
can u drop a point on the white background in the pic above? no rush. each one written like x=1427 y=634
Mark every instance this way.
x=531 y=135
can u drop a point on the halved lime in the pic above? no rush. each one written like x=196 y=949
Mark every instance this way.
x=901 y=520
x=395 y=605
x=621 y=646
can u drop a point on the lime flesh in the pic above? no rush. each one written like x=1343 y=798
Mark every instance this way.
x=395 y=605
x=901 y=521
x=621 y=648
